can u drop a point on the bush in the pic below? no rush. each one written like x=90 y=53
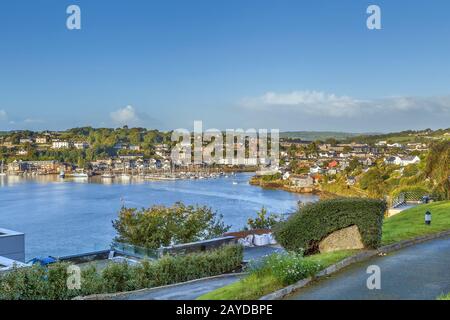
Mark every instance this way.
x=162 y=226
x=35 y=283
x=313 y=222
x=174 y=269
x=271 y=177
x=288 y=268
x=263 y=220
x=40 y=283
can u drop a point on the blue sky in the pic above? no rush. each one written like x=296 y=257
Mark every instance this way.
x=292 y=65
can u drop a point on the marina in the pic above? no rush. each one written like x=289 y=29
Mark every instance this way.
x=63 y=216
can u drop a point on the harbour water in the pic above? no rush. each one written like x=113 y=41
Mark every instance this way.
x=70 y=216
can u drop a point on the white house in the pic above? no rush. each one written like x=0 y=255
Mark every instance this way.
x=402 y=161
x=134 y=147
x=26 y=140
x=315 y=169
x=395 y=145
x=409 y=160
x=302 y=181
x=81 y=145
x=61 y=144
x=42 y=140
x=22 y=152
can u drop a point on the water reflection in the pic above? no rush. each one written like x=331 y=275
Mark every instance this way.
x=68 y=216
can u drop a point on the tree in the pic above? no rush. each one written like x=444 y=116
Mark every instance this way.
x=374 y=182
x=437 y=168
x=162 y=226
x=263 y=220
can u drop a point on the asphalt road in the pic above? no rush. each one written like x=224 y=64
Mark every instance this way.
x=418 y=272
x=187 y=291
x=195 y=289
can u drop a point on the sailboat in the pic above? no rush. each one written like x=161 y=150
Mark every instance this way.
x=124 y=175
x=108 y=175
x=2 y=174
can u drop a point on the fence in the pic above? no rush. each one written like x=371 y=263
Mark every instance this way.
x=407 y=197
x=141 y=252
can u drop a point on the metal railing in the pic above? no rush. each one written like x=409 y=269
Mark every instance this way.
x=407 y=197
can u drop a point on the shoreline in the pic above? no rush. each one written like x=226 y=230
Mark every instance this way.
x=279 y=185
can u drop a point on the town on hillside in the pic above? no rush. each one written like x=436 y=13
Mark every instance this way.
x=359 y=165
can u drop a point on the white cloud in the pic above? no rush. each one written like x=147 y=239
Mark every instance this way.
x=31 y=120
x=324 y=104
x=125 y=116
x=3 y=115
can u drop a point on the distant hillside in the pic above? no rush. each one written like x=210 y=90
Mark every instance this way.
x=317 y=135
x=403 y=137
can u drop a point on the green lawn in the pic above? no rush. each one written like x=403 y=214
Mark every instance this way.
x=410 y=223
x=405 y=225
x=444 y=297
x=255 y=286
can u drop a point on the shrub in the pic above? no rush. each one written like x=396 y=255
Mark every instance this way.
x=263 y=220
x=35 y=283
x=173 y=269
x=287 y=268
x=40 y=283
x=162 y=226
x=118 y=277
x=271 y=177
x=313 y=222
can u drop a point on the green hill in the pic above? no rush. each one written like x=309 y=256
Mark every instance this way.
x=317 y=135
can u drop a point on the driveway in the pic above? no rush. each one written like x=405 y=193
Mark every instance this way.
x=418 y=272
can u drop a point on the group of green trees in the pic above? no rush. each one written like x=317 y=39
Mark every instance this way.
x=430 y=176
x=163 y=226
x=101 y=141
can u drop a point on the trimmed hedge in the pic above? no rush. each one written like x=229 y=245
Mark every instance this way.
x=40 y=283
x=304 y=230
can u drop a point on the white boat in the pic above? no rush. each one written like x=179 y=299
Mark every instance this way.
x=2 y=174
x=234 y=182
x=108 y=176
x=80 y=175
x=124 y=176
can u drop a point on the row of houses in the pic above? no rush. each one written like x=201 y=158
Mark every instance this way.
x=402 y=161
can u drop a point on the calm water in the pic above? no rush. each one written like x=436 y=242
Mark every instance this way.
x=62 y=217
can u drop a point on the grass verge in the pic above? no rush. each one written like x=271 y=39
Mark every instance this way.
x=444 y=297
x=410 y=223
x=255 y=286
x=403 y=226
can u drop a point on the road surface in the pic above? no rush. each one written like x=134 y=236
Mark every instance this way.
x=418 y=272
x=187 y=291
x=195 y=289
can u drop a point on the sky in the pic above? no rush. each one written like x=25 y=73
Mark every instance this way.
x=275 y=64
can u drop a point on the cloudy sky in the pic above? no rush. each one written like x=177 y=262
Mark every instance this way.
x=287 y=64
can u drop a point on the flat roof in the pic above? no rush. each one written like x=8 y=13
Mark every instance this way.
x=7 y=233
x=6 y=262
